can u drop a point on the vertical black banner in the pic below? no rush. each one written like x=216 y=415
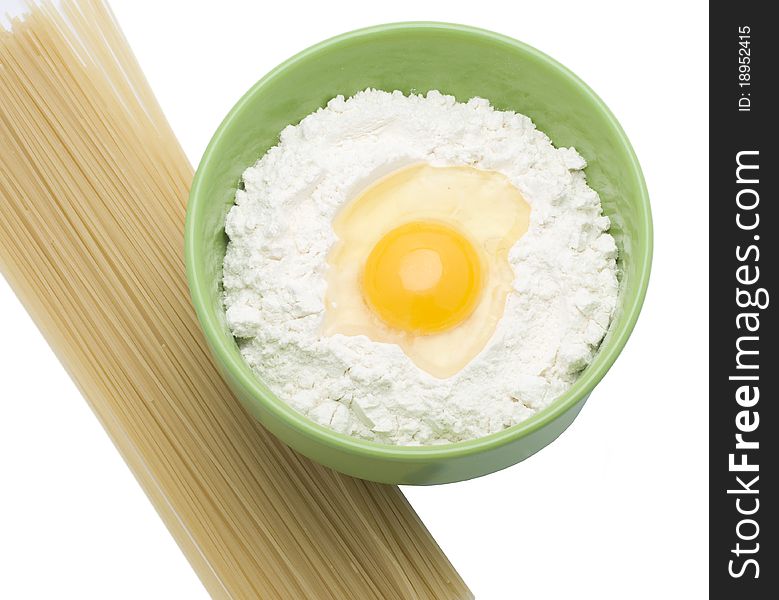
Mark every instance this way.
x=743 y=335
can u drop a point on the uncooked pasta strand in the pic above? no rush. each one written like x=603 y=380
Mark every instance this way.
x=93 y=186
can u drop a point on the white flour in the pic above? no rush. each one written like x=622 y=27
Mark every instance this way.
x=280 y=232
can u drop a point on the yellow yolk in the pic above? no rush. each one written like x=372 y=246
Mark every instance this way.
x=421 y=261
x=422 y=278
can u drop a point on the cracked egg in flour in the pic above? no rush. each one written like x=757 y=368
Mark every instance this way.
x=421 y=261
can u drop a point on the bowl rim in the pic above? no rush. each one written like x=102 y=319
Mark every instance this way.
x=221 y=343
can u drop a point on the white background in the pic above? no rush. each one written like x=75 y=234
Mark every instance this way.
x=616 y=508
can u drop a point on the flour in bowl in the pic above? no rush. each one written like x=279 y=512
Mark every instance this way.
x=558 y=308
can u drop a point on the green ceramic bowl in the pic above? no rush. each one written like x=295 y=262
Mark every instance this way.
x=417 y=57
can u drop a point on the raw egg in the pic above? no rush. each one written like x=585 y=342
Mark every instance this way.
x=421 y=261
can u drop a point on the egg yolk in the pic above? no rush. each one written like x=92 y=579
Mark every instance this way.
x=423 y=278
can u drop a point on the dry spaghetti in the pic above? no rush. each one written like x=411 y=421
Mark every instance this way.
x=92 y=199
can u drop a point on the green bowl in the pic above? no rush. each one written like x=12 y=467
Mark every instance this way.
x=417 y=57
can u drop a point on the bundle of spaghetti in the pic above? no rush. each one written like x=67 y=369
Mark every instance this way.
x=93 y=187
